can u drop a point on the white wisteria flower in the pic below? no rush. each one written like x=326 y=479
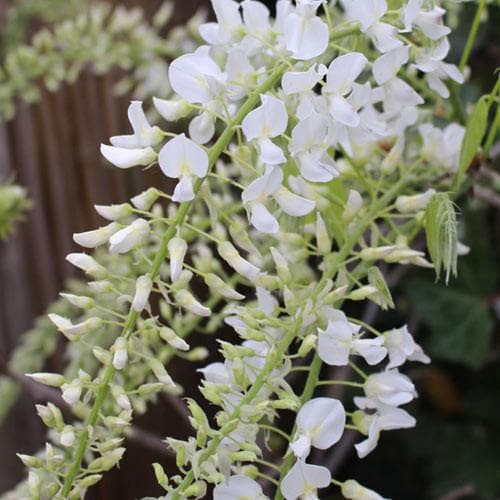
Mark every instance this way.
x=306 y=34
x=303 y=480
x=342 y=73
x=129 y=237
x=442 y=146
x=144 y=134
x=136 y=149
x=430 y=22
x=309 y=145
x=341 y=339
x=377 y=417
x=269 y=120
x=320 y=423
x=390 y=387
x=368 y=12
x=181 y=158
x=401 y=347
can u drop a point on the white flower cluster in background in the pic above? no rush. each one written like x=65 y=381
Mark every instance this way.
x=305 y=170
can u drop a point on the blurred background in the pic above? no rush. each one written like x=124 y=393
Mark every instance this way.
x=67 y=71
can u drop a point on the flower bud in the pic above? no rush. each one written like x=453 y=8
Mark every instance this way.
x=363 y=292
x=186 y=299
x=71 y=392
x=102 y=355
x=197 y=354
x=322 y=238
x=354 y=491
x=171 y=110
x=78 y=300
x=160 y=372
x=282 y=267
x=87 y=326
x=149 y=389
x=177 y=249
x=87 y=264
x=129 y=237
x=307 y=344
x=52 y=379
x=160 y=475
x=220 y=287
x=120 y=355
x=229 y=253
x=143 y=287
x=145 y=200
x=102 y=286
x=67 y=436
x=30 y=461
x=353 y=206
x=107 y=461
x=121 y=397
x=97 y=237
x=375 y=253
x=114 y=212
x=414 y=203
x=169 y=336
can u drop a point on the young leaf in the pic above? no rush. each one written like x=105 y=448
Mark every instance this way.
x=441 y=234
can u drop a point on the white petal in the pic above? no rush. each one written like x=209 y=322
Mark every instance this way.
x=388 y=65
x=171 y=110
x=127 y=158
x=182 y=156
x=92 y=239
x=184 y=190
x=202 y=128
x=263 y=220
x=187 y=75
x=270 y=153
x=294 y=82
x=237 y=487
x=293 y=204
x=315 y=169
x=323 y=419
x=302 y=478
x=343 y=112
x=268 y=120
x=343 y=71
x=306 y=37
x=384 y=37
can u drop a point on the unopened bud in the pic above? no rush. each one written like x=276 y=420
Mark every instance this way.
x=114 y=212
x=169 y=336
x=414 y=203
x=52 y=379
x=177 y=249
x=353 y=206
x=120 y=356
x=145 y=200
x=78 y=300
x=143 y=287
x=322 y=238
x=87 y=264
x=186 y=299
x=96 y=237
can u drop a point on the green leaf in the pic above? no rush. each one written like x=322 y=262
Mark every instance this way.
x=460 y=322
x=474 y=134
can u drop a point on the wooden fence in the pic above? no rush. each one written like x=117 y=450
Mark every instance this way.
x=52 y=148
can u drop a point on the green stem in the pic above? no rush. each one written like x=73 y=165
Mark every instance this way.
x=471 y=38
x=214 y=153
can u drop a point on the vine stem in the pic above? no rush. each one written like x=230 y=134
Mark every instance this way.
x=213 y=155
x=471 y=38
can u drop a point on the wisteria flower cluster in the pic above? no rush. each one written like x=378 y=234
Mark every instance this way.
x=308 y=164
